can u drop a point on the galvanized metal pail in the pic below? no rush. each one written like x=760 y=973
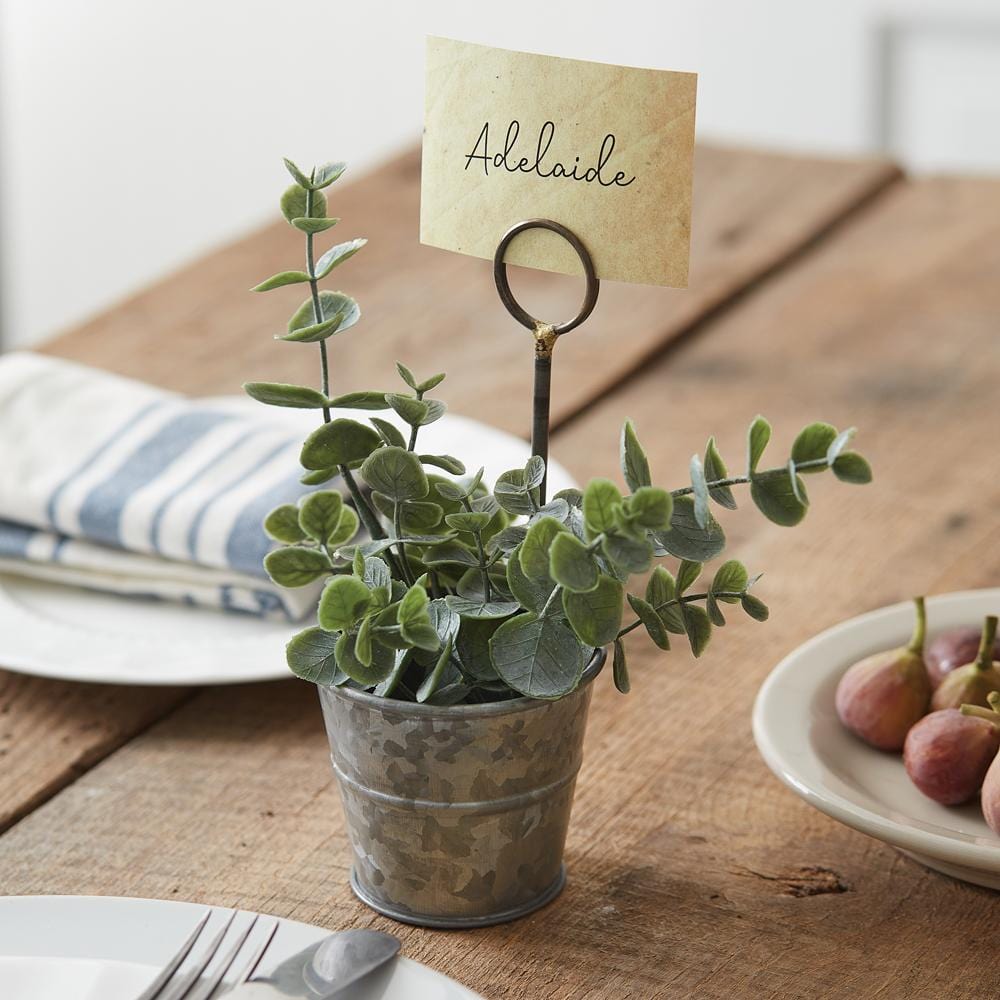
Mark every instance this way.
x=457 y=815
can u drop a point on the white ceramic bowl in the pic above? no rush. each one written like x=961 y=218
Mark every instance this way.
x=801 y=739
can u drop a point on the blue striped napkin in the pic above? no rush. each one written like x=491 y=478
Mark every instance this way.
x=115 y=485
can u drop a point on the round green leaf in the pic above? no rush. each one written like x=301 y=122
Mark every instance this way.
x=360 y=401
x=698 y=627
x=395 y=472
x=777 y=499
x=413 y=411
x=479 y=608
x=715 y=469
x=336 y=256
x=310 y=655
x=596 y=616
x=301 y=397
x=651 y=621
x=757 y=437
x=813 y=443
x=347 y=528
x=601 y=505
x=755 y=607
x=534 y=550
x=468 y=521
x=539 y=657
x=319 y=514
x=571 y=564
x=314 y=225
x=730 y=578
x=686 y=539
x=850 y=467
x=343 y=602
x=295 y=566
x=340 y=442
x=382 y=661
x=295 y=199
x=651 y=507
x=446 y=462
x=282 y=524
x=337 y=312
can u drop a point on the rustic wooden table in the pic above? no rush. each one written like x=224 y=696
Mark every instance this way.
x=831 y=290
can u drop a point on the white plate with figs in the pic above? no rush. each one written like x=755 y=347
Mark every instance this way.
x=801 y=738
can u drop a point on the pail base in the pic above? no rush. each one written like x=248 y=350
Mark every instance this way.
x=458 y=923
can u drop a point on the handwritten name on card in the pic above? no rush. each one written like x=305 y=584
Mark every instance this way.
x=605 y=150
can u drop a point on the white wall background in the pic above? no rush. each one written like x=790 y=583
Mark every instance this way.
x=137 y=134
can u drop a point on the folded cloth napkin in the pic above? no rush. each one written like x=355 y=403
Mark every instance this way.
x=115 y=485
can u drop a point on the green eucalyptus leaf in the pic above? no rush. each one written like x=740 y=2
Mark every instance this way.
x=602 y=504
x=651 y=507
x=539 y=657
x=339 y=312
x=596 y=615
x=532 y=593
x=389 y=433
x=534 y=551
x=319 y=514
x=757 y=437
x=374 y=573
x=572 y=564
x=430 y=383
x=436 y=409
x=475 y=608
x=778 y=499
x=556 y=507
x=698 y=627
x=468 y=521
x=473 y=647
x=300 y=397
x=686 y=539
x=850 y=467
x=363 y=642
x=297 y=175
x=632 y=555
x=651 y=621
x=730 y=578
x=620 y=668
x=325 y=175
x=715 y=469
x=413 y=411
x=347 y=528
x=415 y=515
x=635 y=464
x=343 y=601
x=296 y=565
x=337 y=255
x=281 y=279
x=385 y=689
x=508 y=539
x=406 y=375
x=314 y=225
x=340 y=442
x=318 y=477
x=700 y=487
x=755 y=607
x=360 y=401
x=383 y=660
x=661 y=589
x=413 y=606
x=715 y=615
x=813 y=443
x=433 y=679
x=311 y=656
x=450 y=552
x=295 y=200
x=839 y=443
x=282 y=524
x=448 y=490
x=534 y=471
x=446 y=462
x=395 y=472
x=571 y=495
x=687 y=573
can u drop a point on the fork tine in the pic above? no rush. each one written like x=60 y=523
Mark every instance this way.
x=179 y=986
x=258 y=955
x=153 y=990
x=206 y=988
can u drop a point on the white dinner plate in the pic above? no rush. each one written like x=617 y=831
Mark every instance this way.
x=107 y=948
x=52 y=630
x=800 y=737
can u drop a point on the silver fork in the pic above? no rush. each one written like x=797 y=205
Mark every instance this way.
x=173 y=983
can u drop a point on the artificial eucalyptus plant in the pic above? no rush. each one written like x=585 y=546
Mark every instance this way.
x=456 y=592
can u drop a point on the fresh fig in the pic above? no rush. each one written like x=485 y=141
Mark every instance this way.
x=952 y=649
x=990 y=798
x=948 y=753
x=973 y=683
x=881 y=696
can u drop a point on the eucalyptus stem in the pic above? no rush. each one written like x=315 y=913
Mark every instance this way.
x=813 y=463
x=686 y=599
x=317 y=307
x=483 y=564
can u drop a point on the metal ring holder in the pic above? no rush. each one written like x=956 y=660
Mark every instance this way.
x=545 y=334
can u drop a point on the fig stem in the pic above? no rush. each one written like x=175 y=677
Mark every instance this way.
x=916 y=644
x=982 y=713
x=984 y=658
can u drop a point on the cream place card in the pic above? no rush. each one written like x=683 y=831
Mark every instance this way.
x=605 y=150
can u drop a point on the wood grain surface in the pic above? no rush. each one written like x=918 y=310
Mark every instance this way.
x=693 y=872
